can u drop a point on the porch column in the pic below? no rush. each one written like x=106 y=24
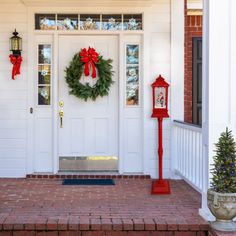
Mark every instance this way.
x=177 y=60
x=219 y=81
x=177 y=71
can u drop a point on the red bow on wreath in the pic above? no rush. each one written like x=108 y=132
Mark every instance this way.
x=89 y=57
x=16 y=62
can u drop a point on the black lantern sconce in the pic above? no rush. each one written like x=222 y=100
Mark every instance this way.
x=15 y=57
x=16 y=44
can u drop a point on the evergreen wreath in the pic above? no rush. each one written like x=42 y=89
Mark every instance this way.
x=84 y=62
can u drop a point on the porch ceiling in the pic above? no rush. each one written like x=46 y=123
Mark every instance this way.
x=71 y=3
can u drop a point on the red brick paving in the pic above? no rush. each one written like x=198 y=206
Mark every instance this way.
x=50 y=208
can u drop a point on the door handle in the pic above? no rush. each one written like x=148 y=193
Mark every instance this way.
x=61 y=114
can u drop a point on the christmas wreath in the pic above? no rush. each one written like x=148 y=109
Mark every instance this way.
x=89 y=61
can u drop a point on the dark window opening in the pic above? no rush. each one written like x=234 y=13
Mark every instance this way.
x=197 y=81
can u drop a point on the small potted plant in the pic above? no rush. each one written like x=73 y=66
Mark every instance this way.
x=222 y=194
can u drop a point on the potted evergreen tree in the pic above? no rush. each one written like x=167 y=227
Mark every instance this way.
x=222 y=194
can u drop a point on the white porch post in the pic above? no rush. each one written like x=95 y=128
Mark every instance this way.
x=219 y=72
x=177 y=71
x=177 y=59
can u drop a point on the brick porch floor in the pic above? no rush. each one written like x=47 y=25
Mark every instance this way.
x=45 y=207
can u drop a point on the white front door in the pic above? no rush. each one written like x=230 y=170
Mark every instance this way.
x=89 y=128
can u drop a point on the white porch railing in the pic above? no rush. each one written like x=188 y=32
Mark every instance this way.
x=187 y=153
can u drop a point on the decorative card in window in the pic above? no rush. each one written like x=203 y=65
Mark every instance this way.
x=45 y=21
x=132 y=54
x=111 y=22
x=132 y=85
x=67 y=22
x=89 y=22
x=43 y=95
x=160 y=97
x=44 y=54
x=44 y=74
x=133 y=22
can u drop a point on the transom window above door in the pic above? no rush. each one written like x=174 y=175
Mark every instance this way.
x=127 y=22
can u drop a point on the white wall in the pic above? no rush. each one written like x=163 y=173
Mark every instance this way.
x=13 y=94
x=158 y=49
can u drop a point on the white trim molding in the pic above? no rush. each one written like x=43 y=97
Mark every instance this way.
x=177 y=59
x=76 y=3
x=194 y=4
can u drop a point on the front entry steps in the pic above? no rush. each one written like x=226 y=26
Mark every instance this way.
x=64 y=232
x=86 y=175
x=45 y=207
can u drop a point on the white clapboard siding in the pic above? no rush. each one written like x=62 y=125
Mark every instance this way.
x=159 y=41
x=13 y=94
x=187 y=152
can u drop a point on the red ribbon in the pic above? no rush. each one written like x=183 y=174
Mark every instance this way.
x=16 y=62
x=89 y=57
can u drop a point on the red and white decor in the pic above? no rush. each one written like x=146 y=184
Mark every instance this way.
x=44 y=128
x=160 y=111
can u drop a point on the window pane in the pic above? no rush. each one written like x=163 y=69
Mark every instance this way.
x=44 y=52
x=67 y=22
x=45 y=22
x=89 y=22
x=44 y=74
x=132 y=85
x=111 y=22
x=132 y=54
x=43 y=95
x=133 y=22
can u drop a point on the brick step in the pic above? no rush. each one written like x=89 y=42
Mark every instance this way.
x=101 y=227
x=102 y=233
x=85 y=176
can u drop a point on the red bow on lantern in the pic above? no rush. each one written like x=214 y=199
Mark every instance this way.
x=89 y=57
x=16 y=62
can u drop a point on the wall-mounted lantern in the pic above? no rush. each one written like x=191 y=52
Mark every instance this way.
x=16 y=44
x=15 y=57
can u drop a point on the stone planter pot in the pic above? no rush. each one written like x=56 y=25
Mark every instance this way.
x=223 y=207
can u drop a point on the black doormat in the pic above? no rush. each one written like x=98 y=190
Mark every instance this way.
x=88 y=182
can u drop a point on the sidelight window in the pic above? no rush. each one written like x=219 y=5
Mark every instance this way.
x=44 y=74
x=132 y=74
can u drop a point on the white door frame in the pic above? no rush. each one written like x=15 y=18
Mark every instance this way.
x=55 y=95
x=55 y=84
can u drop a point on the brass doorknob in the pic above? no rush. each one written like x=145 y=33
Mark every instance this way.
x=61 y=114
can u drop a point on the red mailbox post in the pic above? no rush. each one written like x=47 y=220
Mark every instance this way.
x=160 y=111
